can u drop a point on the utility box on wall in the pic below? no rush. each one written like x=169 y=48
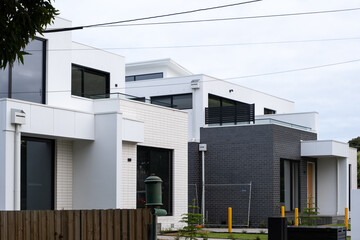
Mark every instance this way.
x=18 y=117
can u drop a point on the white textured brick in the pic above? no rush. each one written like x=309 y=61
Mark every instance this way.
x=163 y=128
x=64 y=174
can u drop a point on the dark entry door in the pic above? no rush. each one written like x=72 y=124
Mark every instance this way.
x=37 y=174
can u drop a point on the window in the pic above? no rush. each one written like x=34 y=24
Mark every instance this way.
x=181 y=101
x=89 y=83
x=216 y=101
x=143 y=77
x=156 y=161
x=26 y=81
x=269 y=111
x=37 y=174
x=289 y=184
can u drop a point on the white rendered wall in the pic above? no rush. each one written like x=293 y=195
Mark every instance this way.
x=327 y=186
x=62 y=52
x=355 y=214
x=163 y=128
x=181 y=85
x=97 y=172
x=343 y=185
x=309 y=119
x=353 y=161
x=64 y=174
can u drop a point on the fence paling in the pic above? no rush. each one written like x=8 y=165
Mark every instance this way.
x=75 y=224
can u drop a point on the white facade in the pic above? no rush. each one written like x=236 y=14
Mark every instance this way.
x=334 y=161
x=181 y=84
x=93 y=138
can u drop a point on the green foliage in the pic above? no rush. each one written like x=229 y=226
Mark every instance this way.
x=20 y=20
x=355 y=143
x=308 y=215
x=193 y=221
x=262 y=224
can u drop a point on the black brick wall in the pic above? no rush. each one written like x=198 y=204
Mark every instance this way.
x=240 y=155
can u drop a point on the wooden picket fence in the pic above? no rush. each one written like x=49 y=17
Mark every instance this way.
x=75 y=224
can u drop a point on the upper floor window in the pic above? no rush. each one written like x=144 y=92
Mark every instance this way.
x=180 y=101
x=144 y=77
x=26 y=81
x=269 y=111
x=89 y=83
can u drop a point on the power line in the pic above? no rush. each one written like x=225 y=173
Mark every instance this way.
x=232 y=78
x=202 y=45
x=235 y=18
x=147 y=18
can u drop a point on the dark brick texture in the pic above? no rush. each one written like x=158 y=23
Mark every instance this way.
x=240 y=155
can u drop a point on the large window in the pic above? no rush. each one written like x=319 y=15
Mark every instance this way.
x=37 y=174
x=180 y=101
x=144 y=77
x=26 y=81
x=156 y=161
x=289 y=184
x=269 y=111
x=89 y=83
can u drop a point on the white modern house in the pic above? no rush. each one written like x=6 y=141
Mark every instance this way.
x=249 y=134
x=70 y=139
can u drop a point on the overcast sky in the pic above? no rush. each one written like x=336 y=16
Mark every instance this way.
x=256 y=47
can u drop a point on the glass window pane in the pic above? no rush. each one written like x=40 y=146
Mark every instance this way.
x=4 y=83
x=227 y=102
x=94 y=85
x=182 y=101
x=27 y=79
x=214 y=101
x=37 y=175
x=76 y=76
x=129 y=78
x=162 y=101
x=148 y=76
x=154 y=161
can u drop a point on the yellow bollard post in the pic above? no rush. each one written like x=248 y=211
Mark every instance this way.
x=347 y=218
x=296 y=217
x=230 y=219
x=282 y=211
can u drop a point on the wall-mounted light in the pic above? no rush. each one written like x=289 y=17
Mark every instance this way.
x=129 y=159
x=231 y=90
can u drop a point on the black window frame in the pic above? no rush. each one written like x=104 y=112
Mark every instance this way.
x=171 y=97
x=147 y=150
x=93 y=71
x=137 y=77
x=44 y=60
x=292 y=190
x=23 y=205
x=268 y=111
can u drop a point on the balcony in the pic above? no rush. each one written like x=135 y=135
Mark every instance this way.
x=237 y=114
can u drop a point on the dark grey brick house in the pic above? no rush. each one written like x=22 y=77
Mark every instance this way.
x=244 y=154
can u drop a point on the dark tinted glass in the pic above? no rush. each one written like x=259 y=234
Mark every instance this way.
x=162 y=101
x=182 y=101
x=144 y=77
x=4 y=83
x=89 y=83
x=214 y=101
x=129 y=78
x=154 y=161
x=27 y=79
x=94 y=84
x=37 y=174
x=76 y=81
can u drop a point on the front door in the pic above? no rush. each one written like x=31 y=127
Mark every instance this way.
x=37 y=174
x=311 y=184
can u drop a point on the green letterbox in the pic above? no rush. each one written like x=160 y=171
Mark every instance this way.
x=153 y=191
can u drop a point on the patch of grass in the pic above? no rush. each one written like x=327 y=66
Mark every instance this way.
x=338 y=225
x=234 y=236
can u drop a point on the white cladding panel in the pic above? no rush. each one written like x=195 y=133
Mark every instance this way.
x=327 y=186
x=355 y=214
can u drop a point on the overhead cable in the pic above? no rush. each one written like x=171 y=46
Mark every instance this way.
x=147 y=18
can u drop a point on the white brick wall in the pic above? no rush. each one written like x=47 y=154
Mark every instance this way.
x=129 y=175
x=64 y=174
x=163 y=128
